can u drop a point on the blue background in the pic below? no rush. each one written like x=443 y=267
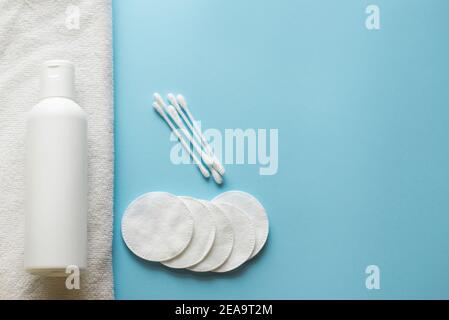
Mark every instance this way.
x=363 y=119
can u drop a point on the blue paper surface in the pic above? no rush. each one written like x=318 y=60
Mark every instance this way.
x=363 y=123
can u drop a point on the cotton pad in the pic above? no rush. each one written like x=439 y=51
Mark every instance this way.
x=251 y=206
x=202 y=239
x=222 y=246
x=157 y=226
x=244 y=237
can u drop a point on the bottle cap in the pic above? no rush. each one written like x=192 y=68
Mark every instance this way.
x=57 y=79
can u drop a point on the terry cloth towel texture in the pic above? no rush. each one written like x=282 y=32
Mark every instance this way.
x=31 y=32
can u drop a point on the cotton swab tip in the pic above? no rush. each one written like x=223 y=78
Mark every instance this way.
x=172 y=99
x=159 y=99
x=204 y=172
x=218 y=166
x=217 y=177
x=174 y=114
x=158 y=108
x=182 y=101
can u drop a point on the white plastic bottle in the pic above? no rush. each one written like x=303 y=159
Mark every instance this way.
x=56 y=176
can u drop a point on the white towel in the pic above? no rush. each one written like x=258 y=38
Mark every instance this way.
x=32 y=31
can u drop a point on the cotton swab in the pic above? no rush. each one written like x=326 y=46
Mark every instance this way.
x=175 y=116
x=197 y=131
x=171 y=97
x=159 y=100
x=174 y=102
x=217 y=177
x=157 y=106
x=208 y=160
x=214 y=165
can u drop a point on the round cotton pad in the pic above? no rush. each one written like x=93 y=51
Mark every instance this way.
x=202 y=239
x=244 y=237
x=157 y=226
x=251 y=206
x=222 y=246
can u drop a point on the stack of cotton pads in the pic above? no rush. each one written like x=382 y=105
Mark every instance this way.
x=201 y=236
